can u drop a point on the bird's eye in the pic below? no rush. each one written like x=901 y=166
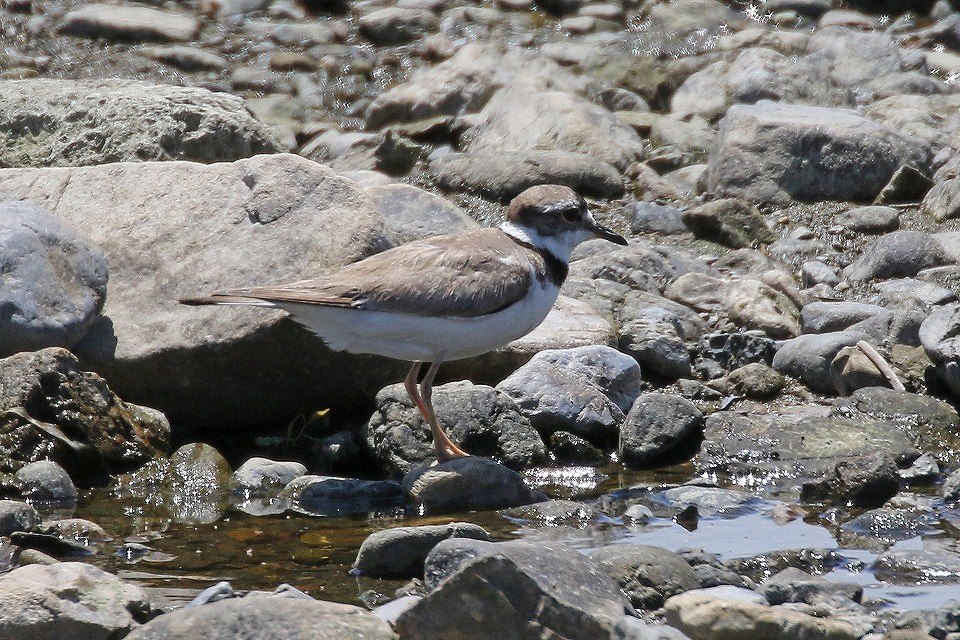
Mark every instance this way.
x=571 y=215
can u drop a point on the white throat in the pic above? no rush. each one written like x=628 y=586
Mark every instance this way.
x=560 y=245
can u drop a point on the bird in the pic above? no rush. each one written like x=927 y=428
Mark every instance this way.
x=442 y=298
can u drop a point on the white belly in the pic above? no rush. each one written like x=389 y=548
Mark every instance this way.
x=408 y=337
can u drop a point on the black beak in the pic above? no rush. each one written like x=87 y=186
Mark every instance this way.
x=607 y=234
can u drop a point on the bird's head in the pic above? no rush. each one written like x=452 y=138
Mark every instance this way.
x=555 y=218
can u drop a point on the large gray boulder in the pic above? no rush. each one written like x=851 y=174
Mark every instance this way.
x=659 y=426
x=174 y=229
x=518 y=589
x=400 y=551
x=90 y=122
x=68 y=600
x=54 y=283
x=585 y=391
x=898 y=254
x=466 y=484
x=776 y=152
x=256 y=617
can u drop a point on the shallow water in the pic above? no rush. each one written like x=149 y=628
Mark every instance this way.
x=315 y=554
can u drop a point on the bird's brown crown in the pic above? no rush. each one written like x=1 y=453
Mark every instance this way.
x=549 y=209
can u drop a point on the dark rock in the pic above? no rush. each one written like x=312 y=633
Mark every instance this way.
x=399 y=552
x=907 y=185
x=865 y=481
x=45 y=482
x=482 y=420
x=710 y=571
x=808 y=357
x=55 y=280
x=897 y=254
x=934 y=564
x=52 y=409
x=329 y=496
x=649 y=575
x=570 y=449
x=647 y=217
x=17 y=516
x=262 y=476
x=656 y=338
x=939 y=337
x=585 y=391
x=75 y=122
x=658 y=426
x=503 y=175
x=735 y=350
x=889 y=524
x=951 y=487
x=840 y=154
x=731 y=222
x=466 y=484
x=69 y=600
x=482 y=590
x=265 y=616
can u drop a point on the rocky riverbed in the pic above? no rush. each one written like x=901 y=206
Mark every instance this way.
x=742 y=424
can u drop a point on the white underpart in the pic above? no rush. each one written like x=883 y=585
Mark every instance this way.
x=405 y=336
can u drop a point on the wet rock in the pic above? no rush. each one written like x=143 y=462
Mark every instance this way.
x=52 y=409
x=707 y=501
x=69 y=600
x=497 y=590
x=649 y=575
x=897 y=254
x=259 y=616
x=826 y=317
x=570 y=449
x=330 y=496
x=501 y=176
x=863 y=481
x=658 y=426
x=466 y=484
x=761 y=566
x=79 y=530
x=136 y=24
x=55 y=281
x=525 y=117
x=396 y=25
x=262 y=476
x=844 y=155
x=873 y=219
x=943 y=200
x=808 y=357
x=951 y=487
x=702 y=616
x=45 y=482
x=76 y=122
x=927 y=419
x=585 y=391
x=17 y=516
x=145 y=341
x=890 y=524
x=711 y=572
x=481 y=419
x=399 y=552
x=196 y=483
x=410 y=213
x=731 y=222
x=646 y=216
x=917 y=566
x=554 y=513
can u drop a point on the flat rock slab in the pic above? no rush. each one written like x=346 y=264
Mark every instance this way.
x=135 y=24
x=175 y=229
x=466 y=484
x=257 y=617
x=68 y=600
x=92 y=122
x=776 y=152
x=54 y=281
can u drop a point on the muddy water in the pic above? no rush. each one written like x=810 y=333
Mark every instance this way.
x=315 y=554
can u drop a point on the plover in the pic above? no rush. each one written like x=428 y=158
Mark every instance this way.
x=442 y=298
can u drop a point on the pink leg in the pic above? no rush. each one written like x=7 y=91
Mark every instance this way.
x=446 y=449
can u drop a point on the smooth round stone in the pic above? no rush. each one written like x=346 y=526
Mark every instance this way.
x=46 y=481
x=870 y=219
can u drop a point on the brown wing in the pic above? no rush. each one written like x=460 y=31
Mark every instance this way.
x=463 y=275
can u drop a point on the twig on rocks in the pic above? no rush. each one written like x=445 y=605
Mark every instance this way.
x=882 y=365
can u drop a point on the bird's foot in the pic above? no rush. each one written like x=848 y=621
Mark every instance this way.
x=450 y=451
